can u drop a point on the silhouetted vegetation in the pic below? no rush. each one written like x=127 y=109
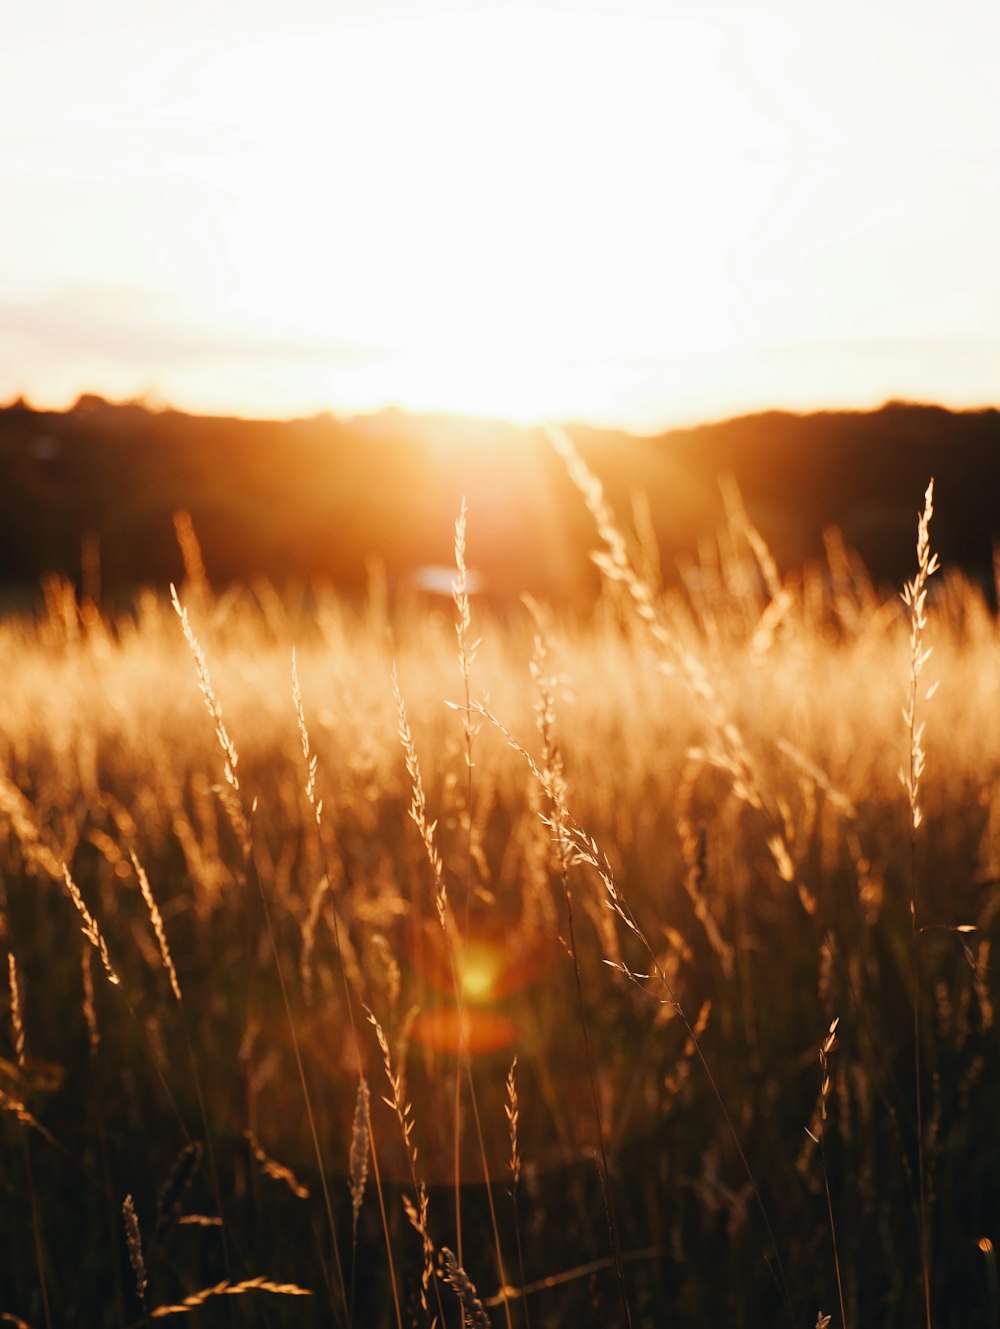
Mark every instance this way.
x=321 y=499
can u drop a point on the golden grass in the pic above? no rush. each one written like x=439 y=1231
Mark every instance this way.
x=227 y=1289
x=642 y=856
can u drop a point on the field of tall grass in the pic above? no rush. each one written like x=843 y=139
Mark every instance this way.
x=417 y=963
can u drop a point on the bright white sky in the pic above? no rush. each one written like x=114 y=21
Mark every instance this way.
x=638 y=213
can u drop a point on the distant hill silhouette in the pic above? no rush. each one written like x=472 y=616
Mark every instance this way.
x=320 y=498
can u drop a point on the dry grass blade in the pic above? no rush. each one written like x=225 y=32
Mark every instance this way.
x=463 y=622
x=567 y=1276
x=473 y=1311
x=512 y=1108
x=230 y=794
x=418 y=804
x=512 y=1111
x=275 y=1170
x=552 y=776
x=677 y=1078
x=17 y=1109
x=358 y=1156
x=133 y=1239
x=416 y=1210
x=181 y=1175
x=156 y=918
x=16 y=1019
x=694 y=847
x=307 y=753
x=90 y=929
x=914 y=596
x=89 y=1009
x=827 y=1047
x=227 y=1289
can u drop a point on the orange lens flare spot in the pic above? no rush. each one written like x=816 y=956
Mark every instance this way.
x=480 y=968
x=440 y=1029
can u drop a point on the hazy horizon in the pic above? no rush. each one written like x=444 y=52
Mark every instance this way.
x=155 y=405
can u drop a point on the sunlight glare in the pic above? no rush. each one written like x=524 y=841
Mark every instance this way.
x=635 y=214
x=468 y=240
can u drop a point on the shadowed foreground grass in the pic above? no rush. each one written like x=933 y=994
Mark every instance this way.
x=654 y=854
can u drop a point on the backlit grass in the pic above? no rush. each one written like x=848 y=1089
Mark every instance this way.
x=658 y=849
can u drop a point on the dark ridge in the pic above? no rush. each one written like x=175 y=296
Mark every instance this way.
x=322 y=498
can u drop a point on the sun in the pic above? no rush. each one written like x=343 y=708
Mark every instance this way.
x=435 y=237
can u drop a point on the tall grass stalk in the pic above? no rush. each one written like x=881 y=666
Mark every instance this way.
x=133 y=1240
x=466 y=656
x=554 y=784
x=240 y=817
x=513 y=1113
x=17 y=1028
x=826 y=1048
x=914 y=596
x=731 y=753
x=417 y=1206
x=615 y=563
x=167 y=960
x=467 y=649
x=362 y=1113
x=453 y=943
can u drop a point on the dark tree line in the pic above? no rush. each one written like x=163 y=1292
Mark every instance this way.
x=321 y=499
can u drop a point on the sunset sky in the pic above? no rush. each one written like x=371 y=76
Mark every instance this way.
x=636 y=213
